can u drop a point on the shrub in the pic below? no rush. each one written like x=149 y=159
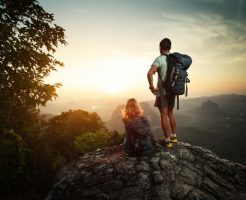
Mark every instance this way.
x=14 y=166
x=91 y=141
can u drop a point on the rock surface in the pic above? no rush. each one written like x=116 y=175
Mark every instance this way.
x=184 y=172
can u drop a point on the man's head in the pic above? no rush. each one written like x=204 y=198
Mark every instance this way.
x=165 y=45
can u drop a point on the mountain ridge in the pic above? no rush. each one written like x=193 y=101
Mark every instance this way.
x=105 y=106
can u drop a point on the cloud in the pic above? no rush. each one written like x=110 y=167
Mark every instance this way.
x=208 y=34
x=229 y=10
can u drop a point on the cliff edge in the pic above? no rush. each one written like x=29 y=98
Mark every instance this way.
x=184 y=172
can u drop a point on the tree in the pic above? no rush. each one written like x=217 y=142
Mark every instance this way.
x=13 y=166
x=64 y=128
x=28 y=38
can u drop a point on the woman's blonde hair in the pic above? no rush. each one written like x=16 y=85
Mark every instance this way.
x=132 y=109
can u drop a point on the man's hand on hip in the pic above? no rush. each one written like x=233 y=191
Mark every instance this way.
x=154 y=90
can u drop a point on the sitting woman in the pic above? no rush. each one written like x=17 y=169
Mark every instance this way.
x=139 y=138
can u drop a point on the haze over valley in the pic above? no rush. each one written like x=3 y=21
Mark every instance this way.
x=215 y=122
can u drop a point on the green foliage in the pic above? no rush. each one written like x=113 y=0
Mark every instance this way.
x=117 y=138
x=75 y=122
x=91 y=141
x=63 y=129
x=28 y=38
x=30 y=166
x=14 y=165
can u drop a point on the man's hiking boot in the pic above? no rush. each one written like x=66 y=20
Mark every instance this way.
x=174 y=139
x=165 y=143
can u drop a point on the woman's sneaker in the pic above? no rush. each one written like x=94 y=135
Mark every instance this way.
x=165 y=143
x=174 y=139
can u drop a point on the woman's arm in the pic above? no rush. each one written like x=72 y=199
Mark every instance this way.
x=127 y=128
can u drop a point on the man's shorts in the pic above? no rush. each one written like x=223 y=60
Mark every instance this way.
x=165 y=101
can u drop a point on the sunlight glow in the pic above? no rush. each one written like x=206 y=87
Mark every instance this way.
x=110 y=80
x=116 y=74
x=112 y=89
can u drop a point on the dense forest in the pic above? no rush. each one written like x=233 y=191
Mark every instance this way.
x=33 y=147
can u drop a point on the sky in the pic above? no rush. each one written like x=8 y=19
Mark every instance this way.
x=112 y=44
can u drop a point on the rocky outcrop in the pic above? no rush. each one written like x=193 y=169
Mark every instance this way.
x=184 y=172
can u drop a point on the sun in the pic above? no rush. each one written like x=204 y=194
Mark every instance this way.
x=112 y=89
x=112 y=84
x=112 y=76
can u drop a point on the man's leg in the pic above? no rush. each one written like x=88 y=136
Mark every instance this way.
x=165 y=123
x=162 y=104
x=173 y=126
x=172 y=120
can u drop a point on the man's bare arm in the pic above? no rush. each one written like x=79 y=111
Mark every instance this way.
x=151 y=72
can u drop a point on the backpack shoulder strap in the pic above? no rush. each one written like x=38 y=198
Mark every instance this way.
x=177 y=102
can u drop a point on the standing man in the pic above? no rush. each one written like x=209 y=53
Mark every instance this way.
x=164 y=102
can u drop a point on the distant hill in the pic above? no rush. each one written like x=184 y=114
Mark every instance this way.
x=227 y=102
x=208 y=108
x=103 y=106
x=216 y=122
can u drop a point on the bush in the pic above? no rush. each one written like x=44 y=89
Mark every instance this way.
x=91 y=141
x=15 y=169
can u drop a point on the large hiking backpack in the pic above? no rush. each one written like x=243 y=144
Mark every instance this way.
x=177 y=77
x=140 y=139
